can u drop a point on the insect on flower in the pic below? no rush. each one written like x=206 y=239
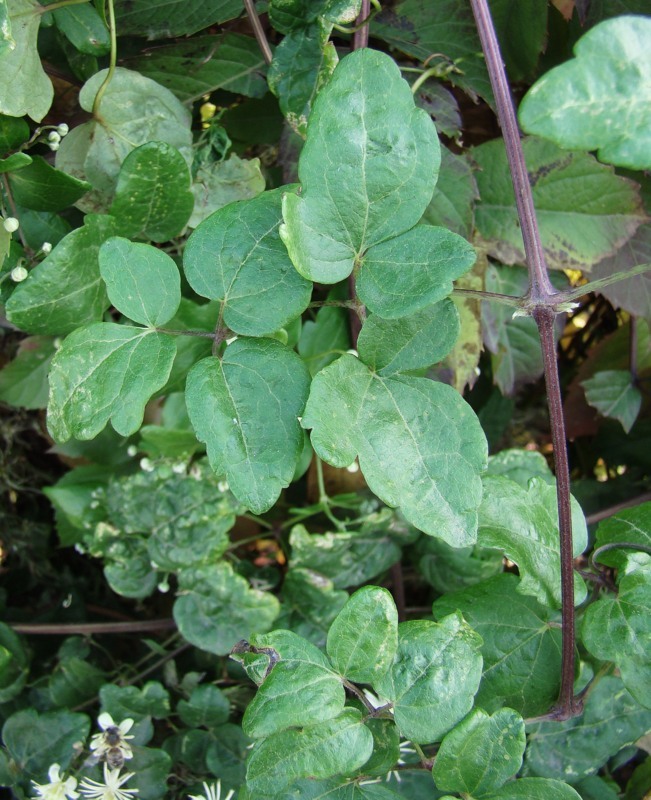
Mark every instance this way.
x=111 y=745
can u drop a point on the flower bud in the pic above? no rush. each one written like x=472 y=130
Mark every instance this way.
x=11 y=224
x=18 y=274
x=62 y=129
x=53 y=136
x=46 y=247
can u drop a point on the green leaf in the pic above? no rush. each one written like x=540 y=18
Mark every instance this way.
x=135 y=110
x=631 y=525
x=236 y=256
x=400 y=427
x=207 y=707
x=585 y=212
x=573 y=749
x=14 y=664
x=43 y=188
x=335 y=747
x=514 y=341
x=453 y=203
x=523 y=523
x=65 y=290
x=224 y=182
x=172 y=18
x=463 y=361
x=408 y=343
x=409 y=272
x=152 y=768
x=449 y=569
x=325 y=338
x=216 y=608
x=227 y=61
x=294 y=694
x=420 y=28
x=520 y=466
x=84 y=29
x=245 y=407
x=152 y=700
x=310 y=604
x=36 y=740
x=434 y=677
x=15 y=162
x=614 y=394
x=481 y=753
x=363 y=639
x=521 y=28
x=348 y=559
x=534 y=789
x=23 y=382
x=617 y=629
x=330 y=227
x=7 y=42
x=26 y=89
x=84 y=394
x=302 y=64
x=190 y=349
x=442 y=107
x=14 y=131
x=152 y=196
x=522 y=644
x=74 y=682
x=226 y=755
x=600 y=99
x=142 y=282
x=127 y=566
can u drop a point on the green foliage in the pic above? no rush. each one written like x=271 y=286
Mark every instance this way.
x=256 y=273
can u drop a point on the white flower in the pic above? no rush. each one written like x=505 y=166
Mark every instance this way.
x=18 y=274
x=11 y=224
x=213 y=792
x=58 y=788
x=113 y=737
x=111 y=788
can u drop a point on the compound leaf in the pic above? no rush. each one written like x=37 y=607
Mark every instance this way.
x=245 y=407
x=142 y=281
x=236 y=256
x=524 y=524
x=106 y=371
x=420 y=446
x=434 y=677
x=601 y=99
x=368 y=170
x=363 y=638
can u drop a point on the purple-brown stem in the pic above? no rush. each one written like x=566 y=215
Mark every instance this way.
x=541 y=303
x=360 y=37
x=258 y=30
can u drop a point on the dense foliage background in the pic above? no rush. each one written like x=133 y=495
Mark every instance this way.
x=150 y=187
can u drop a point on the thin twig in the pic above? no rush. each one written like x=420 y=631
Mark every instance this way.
x=597 y=516
x=91 y=628
x=258 y=31
x=398 y=585
x=541 y=298
x=632 y=350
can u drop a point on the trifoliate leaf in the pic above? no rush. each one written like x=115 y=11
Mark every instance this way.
x=245 y=407
x=420 y=446
x=368 y=168
x=25 y=88
x=142 y=281
x=236 y=256
x=216 y=608
x=524 y=524
x=434 y=677
x=84 y=393
x=601 y=99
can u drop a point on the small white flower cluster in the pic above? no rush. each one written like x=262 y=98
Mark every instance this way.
x=54 y=137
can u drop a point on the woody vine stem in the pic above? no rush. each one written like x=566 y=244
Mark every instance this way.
x=541 y=301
